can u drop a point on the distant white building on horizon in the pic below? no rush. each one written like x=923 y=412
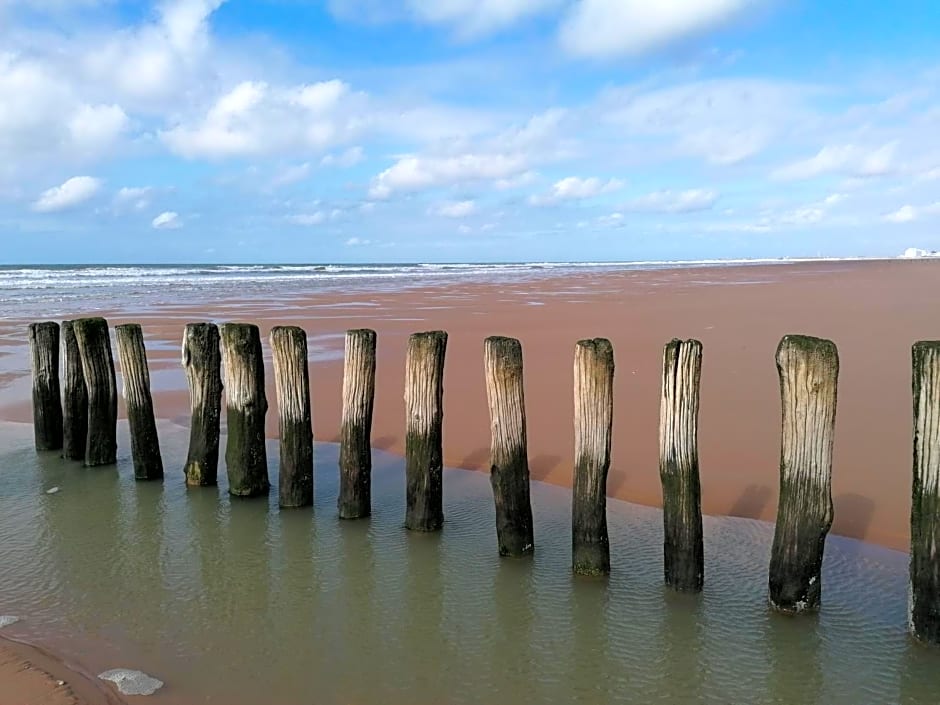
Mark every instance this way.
x=915 y=252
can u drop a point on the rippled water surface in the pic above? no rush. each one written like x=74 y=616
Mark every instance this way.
x=240 y=603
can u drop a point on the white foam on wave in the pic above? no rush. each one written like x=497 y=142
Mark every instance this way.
x=130 y=682
x=7 y=619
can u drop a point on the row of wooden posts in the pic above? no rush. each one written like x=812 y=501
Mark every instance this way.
x=83 y=423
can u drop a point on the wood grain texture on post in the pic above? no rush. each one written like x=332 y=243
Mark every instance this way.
x=424 y=415
x=593 y=421
x=292 y=381
x=809 y=373
x=47 y=400
x=355 y=450
x=75 y=398
x=94 y=346
x=202 y=360
x=509 y=463
x=246 y=405
x=683 y=549
x=145 y=444
x=924 y=606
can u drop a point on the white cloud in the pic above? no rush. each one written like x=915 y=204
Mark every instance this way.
x=307 y=219
x=350 y=157
x=607 y=28
x=291 y=175
x=168 y=220
x=849 y=159
x=133 y=197
x=574 y=188
x=454 y=209
x=909 y=213
x=415 y=172
x=668 y=201
x=357 y=242
x=72 y=193
x=515 y=181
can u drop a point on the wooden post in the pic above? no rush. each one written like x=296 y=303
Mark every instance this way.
x=145 y=444
x=683 y=549
x=47 y=402
x=246 y=405
x=593 y=420
x=924 y=615
x=94 y=346
x=292 y=380
x=75 y=405
x=509 y=464
x=203 y=363
x=355 y=450
x=809 y=372
x=424 y=414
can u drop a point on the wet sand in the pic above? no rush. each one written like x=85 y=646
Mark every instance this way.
x=874 y=311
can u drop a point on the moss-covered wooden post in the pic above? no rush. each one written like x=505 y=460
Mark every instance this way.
x=924 y=617
x=809 y=372
x=145 y=444
x=593 y=420
x=94 y=345
x=75 y=398
x=683 y=549
x=202 y=361
x=292 y=381
x=246 y=406
x=355 y=450
x=509 y=462
x=424 y=415
x=47 y=401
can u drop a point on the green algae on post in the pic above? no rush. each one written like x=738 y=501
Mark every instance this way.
x=593 y=420
x=246 y=406
x=292 y=381
x=683 y=549
x=75 y=397
x=424 y=416
x=924 y=616
x=94 y=345
x=355 y=450
x=202 y=361
x=509 y=463
x=809 y=373
x=145 y=445
x=47 y=404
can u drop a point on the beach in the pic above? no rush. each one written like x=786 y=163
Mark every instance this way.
x=872 y=310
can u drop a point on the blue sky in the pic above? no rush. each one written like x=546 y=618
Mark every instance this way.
x=466 y=130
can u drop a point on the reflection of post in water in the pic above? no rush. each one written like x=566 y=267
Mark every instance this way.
x=918 y=675
x=141 y=563
x=246 y=570
x=593 y=677
x=792 y=646
x=512 y=663
x=681 y=637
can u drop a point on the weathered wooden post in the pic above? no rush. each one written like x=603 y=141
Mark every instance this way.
x=246 y=405
x=94 y=346
x=809 y=372
x=292 y=380
x=75 y=401
x=683 y=549
x=593 y=420
x=145 y=444
x=924 y=615
x=47 y=402
x=509 y=463
x=355 y=450
x=424 y=415
x=203 y=363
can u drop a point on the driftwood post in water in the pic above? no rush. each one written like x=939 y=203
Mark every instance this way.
x=145 y=445
x=292 y=380
x=424 y=414
x=246 y=406
x=683 y=549
x=355 y=450
x=94 y=345
x=809 y=372
x=47 y=402
x=924 y=617
x=593 y=420
x=509 y=463
x=202 y=361
x=75 y=398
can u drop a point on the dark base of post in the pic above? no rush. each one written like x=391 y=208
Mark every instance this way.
x=355 y=467
x=295 y=482
x=424 y=470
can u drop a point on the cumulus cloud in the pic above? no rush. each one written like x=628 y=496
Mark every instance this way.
x=168 y=220
x=574 y=188
x=346 y=159
x=307 y=219
x=607 y=28
x=416 y=172
x=453 y=209
x=908 y=213
x=133 y=197
x=849 y=159
x=669 y=201
x=72 y=193
x=357 y=242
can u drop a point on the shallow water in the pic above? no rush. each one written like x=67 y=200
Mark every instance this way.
x=240 y=603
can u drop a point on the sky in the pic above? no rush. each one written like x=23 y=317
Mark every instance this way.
x=467 y=130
